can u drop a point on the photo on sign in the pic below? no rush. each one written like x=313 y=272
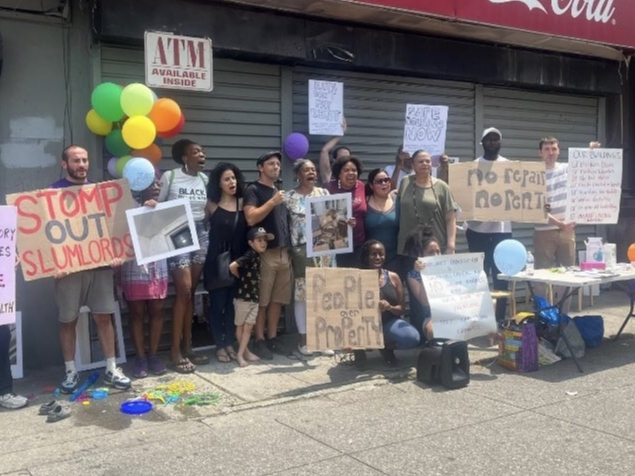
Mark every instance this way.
x=88 y=352
x=162 y=232
x=327 y=226
x=15 y=347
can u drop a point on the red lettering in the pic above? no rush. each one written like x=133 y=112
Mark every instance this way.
x=42 y=264
x=193 y=56
x=48 y=195
x=160 y=52
x=127 y=239
x=105 y=249
x=176 y=50
x=59 y=264
x=94 y=251
x=109 y=199
x=29 y=267
x=88 y=195
x=74 y=251
x=37 y=221
x=68 y=199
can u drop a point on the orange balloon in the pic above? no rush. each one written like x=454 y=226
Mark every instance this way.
x=173 y=132
x=631 y=252
x=153 y=153
x=165 y=114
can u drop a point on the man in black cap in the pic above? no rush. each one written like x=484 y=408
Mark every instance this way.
x=264 y=207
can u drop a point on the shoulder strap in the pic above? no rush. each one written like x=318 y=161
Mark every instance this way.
x=202 y=176
x=235 y=217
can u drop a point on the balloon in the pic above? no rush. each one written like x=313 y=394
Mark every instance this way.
x=153 y=153
x=296 y=146
x=140 y=173
x=510 y=257
x=106 y=101
x=112 y=167
x=97 y=124
x=173 y=132
x=631 y=253
x=139 y=132
x=121 y=163
x=165 y=114
x=115 y=143
x=137 y=100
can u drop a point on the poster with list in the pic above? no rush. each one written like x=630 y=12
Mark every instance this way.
x=594 y=184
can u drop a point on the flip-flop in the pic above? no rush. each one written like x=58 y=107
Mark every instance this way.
x=48 y=407
x=183 y=366
x=223 y=356
x=232 y=354
x=58 y=413
x=198 y=359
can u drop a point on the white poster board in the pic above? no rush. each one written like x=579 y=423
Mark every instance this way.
x=163 y=231
x=459 y=296
x=327 y=230
x=594 y=182
x=425 y=129
x=8 y=235
x=326 y=108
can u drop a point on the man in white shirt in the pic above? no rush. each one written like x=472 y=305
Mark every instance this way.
x=482 y=237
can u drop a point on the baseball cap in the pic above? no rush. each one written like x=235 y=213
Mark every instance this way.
x=491 y=130
x=264 y=157
x=258 y=232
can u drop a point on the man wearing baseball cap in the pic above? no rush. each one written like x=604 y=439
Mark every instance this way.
x=264 y=207
x=482 y=237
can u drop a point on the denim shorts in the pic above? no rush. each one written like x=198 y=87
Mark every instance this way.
x=186 y=260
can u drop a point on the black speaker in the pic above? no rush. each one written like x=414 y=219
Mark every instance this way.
x=444 y=362
x=429 y=362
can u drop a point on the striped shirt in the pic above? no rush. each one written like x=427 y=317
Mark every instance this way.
x=556 y=193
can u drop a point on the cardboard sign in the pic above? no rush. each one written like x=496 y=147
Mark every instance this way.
x=425 y=129
x=326 y=108
x=496 y=191
x=8 y=235
x=459 y=296
x=178 y=62
x=72 y=229
x=594 y=182
x=343 y=309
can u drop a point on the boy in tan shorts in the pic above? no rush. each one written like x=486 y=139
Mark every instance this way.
x=247 y=270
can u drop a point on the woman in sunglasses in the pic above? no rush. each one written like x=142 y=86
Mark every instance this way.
x=425 y=200
x=381 y=220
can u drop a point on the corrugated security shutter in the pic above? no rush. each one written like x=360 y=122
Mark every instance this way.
x=525 y=117
x=238 y=121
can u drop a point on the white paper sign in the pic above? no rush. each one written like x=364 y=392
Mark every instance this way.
x=326 y=108
x=594 y=184
x=8 y=234
x=178 y=62
x=425 y=129
x=459 y=296
x=327 y=230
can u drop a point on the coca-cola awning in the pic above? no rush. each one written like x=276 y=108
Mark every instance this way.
x=591 y=27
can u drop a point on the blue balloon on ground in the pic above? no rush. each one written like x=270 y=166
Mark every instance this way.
x=140 y=173
x=510 y=257
x=296 y=146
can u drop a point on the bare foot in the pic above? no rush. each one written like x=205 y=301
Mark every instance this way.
x=242 y=362
x=251 y=357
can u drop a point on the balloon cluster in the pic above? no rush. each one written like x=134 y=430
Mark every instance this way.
x=132 y=119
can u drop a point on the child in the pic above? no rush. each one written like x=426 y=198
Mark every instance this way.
x=420 y=243
x=247 y=270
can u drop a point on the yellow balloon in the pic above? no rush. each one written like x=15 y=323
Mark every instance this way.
x=139 y=132
x=97 y=124
x=137 y=100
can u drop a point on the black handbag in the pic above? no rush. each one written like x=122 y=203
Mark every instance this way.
x=222 y=277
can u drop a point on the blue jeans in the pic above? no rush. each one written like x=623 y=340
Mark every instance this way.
x=400 y=334
x=221 y=316
x=6 y=379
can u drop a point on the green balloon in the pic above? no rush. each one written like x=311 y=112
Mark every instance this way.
x=116 y=145
x=106 y=101
x=121 y=163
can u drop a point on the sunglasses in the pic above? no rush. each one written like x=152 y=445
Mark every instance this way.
x=381 y=181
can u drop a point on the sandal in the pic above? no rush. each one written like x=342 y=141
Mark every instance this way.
x=58 y=413
x=223 y=357
x=198 y=359
x=183 y=366
x=231 y=352
x=48 y=407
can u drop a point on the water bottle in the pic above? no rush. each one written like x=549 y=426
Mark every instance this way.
x=529 y=265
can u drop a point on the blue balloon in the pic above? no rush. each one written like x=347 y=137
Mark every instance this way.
x=140 y=173
x=510 y=257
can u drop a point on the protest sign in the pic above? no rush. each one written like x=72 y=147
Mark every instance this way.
x=495 y=191
x=72 y=229
x=425 y=129
x=343 y=309
x=16 y=356
x=459 y=297
x=163 y=231
x=594 y=184
x=326 y=225
x=8 y=232
x=326 y=108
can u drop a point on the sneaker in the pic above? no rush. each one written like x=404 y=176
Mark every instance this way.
x=12 y=401
x=304 y=351
x=261 y=349
x=156 y=366
x=140 y=368
x=69 y=385
x=327 y=353
x=274 y=346
x=117 y=379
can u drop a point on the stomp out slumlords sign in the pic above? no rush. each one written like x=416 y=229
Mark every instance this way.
x=495 y=191
x=72 y=229
x=343 y=309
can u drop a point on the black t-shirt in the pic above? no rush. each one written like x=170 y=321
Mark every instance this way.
x=277 y=221
x=249 y=272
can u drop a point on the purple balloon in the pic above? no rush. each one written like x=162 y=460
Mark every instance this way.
x=296 y=146
x=112 y=167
